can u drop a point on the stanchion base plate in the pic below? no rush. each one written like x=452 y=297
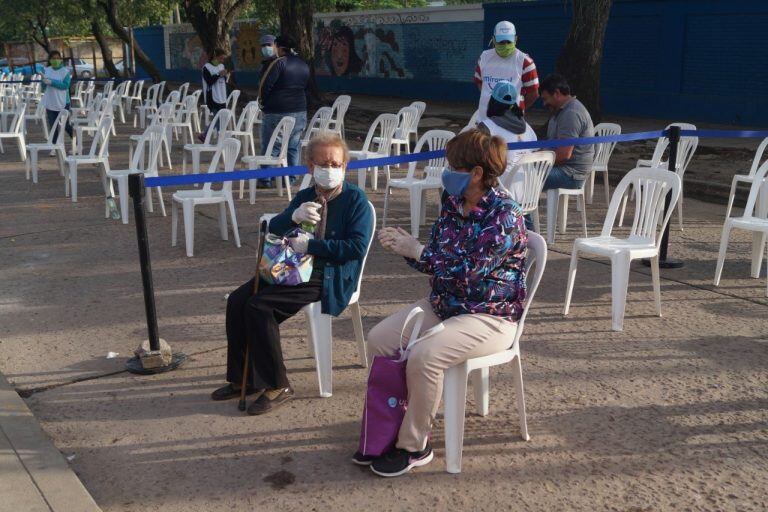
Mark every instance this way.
x=133 y=365
x=668 y=263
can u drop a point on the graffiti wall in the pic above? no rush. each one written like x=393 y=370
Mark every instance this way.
x=440 y=44
x=183 y=49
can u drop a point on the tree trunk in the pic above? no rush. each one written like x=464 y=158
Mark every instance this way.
x=582 y=53
x=110 y=9
x=106 y=51
x=296 y=21
x=41 y=24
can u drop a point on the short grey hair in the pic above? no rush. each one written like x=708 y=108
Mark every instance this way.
x=323 y=139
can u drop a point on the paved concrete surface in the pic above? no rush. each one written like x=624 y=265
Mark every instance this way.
x=669 y=414
x=33 y=474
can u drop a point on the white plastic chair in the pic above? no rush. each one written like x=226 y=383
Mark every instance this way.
x=525 y=182
x=385 y=126
x=188 y=199
x=16 y=130
x=135 y=95
x=685 y=150
x=407 y=123
x=38 y=116
x=420 y=108
x=557 y=201
x=149 y=105
x=338 y=112
x=223 y=118
x=433 y=140
x=651 y=188
x=184 y=120
x=163 y=118
x=751 y=220
x=149 y=146
x=121 y=92
x=603 y=153
x=97 y=155
x=244 y=127
x=746 y=178
x=231 y=104
x=319 y=325
x=319 y=123
x=52 y=143
x=281 y=133
x=455 y=380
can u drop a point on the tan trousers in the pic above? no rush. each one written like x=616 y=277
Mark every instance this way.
x=442 y=345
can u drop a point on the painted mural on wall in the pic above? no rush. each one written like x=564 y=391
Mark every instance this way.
x=183 y=48
x=246 y=51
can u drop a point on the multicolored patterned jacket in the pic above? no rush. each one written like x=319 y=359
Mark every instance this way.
x=477 y=262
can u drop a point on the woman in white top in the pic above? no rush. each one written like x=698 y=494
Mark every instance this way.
x=56 y=80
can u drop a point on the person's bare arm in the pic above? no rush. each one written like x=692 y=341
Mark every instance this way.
x=562 y=154
x=530 y=98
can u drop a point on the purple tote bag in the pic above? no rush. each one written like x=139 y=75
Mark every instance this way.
x=386 y=398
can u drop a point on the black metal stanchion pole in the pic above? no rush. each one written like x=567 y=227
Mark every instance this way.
x=664 y=261
x=140 y=364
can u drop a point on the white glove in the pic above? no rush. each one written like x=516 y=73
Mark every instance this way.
x=300 y=242
x=307 y=212
x=399 y=241
x=47 y=81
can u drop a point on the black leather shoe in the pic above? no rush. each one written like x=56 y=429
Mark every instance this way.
x=270 y=400
x=229 y=391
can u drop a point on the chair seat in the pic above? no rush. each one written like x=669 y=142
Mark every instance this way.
x=498 y=358
x=600 y=168
x=422 y=183
x=263 y=160
x=199 y=196
x=395 y=140
x=199 y=147
x=42 y=146
x=609 y=246
x=749 y=223
x=123 y=172
x=363 y=155
x=570 y=191
x=85 y=159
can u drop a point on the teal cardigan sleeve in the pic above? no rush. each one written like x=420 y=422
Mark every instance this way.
x=358 y=224
x=62 y=84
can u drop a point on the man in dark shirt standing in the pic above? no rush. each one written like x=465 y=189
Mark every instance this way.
x=284 y=93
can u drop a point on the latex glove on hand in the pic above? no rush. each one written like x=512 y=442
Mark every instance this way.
x=47 y=81
x=299 y=243
x=399 y=241
x=307 y=212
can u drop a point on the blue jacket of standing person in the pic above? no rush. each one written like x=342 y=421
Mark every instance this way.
x=285 y=87
x=348 y=234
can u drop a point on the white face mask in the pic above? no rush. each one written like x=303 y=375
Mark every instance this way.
x=328 y=177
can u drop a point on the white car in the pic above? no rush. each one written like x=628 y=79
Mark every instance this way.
x=82 y=68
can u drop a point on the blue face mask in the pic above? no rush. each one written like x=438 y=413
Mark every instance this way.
x=455 y=182
x=267 y=51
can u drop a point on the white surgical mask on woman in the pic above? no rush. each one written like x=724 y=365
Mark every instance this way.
x=328 y=177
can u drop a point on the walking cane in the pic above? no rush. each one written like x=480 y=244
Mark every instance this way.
x=259 y=252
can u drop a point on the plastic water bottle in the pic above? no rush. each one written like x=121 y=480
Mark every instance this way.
x=114 y=212
x=308 y=227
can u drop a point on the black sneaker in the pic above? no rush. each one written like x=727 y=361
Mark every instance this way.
x=362 y=460
x=270 y=400
x=229 y=391
x=398 y=462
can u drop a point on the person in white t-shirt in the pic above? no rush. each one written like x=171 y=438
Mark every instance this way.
x=506 y=62
x=56 y=80
x=215 y=85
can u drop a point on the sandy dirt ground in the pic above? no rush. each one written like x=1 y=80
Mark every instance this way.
x=670 y=414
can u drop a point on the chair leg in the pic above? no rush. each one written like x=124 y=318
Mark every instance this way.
x=656 y=283
x=73 y=181
x=481 y=387
x=580 y=200
x=680 y=209
x=563 y=213
x=159 y=199
x=357 y=325
x=33 y=164
x=571 y=279
x=415 y=211
x=189 y=226
x=174 y=222
x=320 y=334
x=233 y=217
x=552 y=199
x=607 y=189
x=375 y=179
x=361 y=178
x=22 y=148
x=517 y=374
x=386 y=207
x=536 y=221
x=758 y=250
x=252 y=191
x=590 y=187
x=619 y=285
x=242 y=187
x=223 y=222
x=721 y=254
x=731 y=197
x=122 y=192
x=455 y=403
x=623 y=208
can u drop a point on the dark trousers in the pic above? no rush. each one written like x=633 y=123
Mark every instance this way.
x=50 y=116
x=254 y=320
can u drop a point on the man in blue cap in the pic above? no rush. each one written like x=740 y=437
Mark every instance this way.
x=506 y=62
x=268 y=51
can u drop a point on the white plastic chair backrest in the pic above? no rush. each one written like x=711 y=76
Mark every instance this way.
x=757 y=183
x=138 y=87
x=306 y=181
x=338 y=111
x=173 y=98
x=39 y=109
x=756 y=161
x=108 y=87
x=318 y=123
x=663 y=142
x=58 y=129
x=603 y=150
x=386 y=125
x=187 y=110
x=183 y=89
x=152 y=138
x=535 y=168
x=152 y=95
x=229 y=150
x=101 y=138
x=122 y=89
x=247 y=116
x=406 y=122
x=431 y=140
x=473 y=119
x=368 y=248
x=283 y=132
x=221 y=120
x=78 y=89
x=651 y=185
x=685 y=149
x=232 y=100
x=420 y=108
x=536 y=257
x=17 y=123
x=161 y=91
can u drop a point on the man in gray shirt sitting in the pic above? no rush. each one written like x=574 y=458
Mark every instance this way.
x=570 y=119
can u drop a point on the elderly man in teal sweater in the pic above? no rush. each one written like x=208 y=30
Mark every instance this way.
x=343 y=227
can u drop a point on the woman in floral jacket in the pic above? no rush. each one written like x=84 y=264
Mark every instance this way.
x=475 y=257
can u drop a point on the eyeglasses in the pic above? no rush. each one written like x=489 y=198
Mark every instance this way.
x=329 y=164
